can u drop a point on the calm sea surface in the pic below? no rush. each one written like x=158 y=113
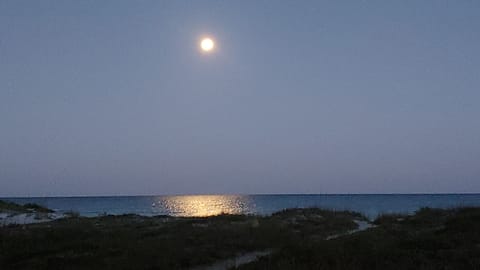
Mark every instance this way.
x=204 y=205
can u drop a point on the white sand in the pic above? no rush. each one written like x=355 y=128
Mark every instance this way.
x=362 y=226
x=27 y=218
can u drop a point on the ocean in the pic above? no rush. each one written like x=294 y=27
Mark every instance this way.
x=370 y=205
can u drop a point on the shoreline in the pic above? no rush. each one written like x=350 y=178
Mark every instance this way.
x=369 y=205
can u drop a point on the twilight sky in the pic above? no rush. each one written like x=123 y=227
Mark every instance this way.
x=114 y=97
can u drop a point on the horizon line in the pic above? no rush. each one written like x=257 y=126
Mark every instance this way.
x=241 y=194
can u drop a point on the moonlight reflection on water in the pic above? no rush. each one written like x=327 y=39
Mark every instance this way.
x=206 y=205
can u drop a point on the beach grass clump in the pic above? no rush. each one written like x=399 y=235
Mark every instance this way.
x=316 y=223
x=389 y=219
x=72 y=214
x=6 y=206
x=37 y=208
x=11 y=207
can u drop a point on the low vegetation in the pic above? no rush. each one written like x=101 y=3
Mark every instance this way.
x=430 y=239
x=11 y=207
x=161 y=242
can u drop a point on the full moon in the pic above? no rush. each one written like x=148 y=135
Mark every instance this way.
x=207 y=44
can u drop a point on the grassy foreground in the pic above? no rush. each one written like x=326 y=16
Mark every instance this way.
x=430 y=239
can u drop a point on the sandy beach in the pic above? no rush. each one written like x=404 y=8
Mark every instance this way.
x=27 y=218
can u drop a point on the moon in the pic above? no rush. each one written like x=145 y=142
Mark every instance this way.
x=207 y=44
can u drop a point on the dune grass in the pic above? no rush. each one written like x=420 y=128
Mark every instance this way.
x=430 y=239
x=6 y=206
x=137 y=242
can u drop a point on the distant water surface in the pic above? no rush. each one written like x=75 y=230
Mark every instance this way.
x=205 y=205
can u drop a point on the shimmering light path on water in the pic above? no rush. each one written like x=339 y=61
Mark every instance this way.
x=205 y=205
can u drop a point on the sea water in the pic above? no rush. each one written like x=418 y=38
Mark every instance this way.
x=370 y=205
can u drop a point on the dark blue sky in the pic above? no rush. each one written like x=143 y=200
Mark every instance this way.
x=113 y=97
